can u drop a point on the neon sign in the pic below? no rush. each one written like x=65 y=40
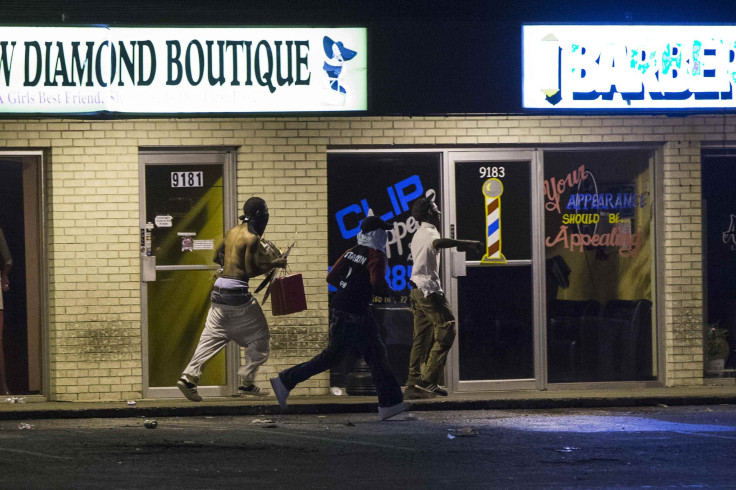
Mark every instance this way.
x=400 y=195
x=586 y=223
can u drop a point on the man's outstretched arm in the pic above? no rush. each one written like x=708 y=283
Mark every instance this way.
x=462 y=245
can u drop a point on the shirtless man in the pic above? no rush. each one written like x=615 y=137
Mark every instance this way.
x=234 y=313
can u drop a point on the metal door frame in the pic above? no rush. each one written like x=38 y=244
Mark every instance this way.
x=657 y=271
x=189 y=156
x=533 y=157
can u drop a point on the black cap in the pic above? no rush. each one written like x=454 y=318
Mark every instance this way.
x=253 y=208
x=372 y=223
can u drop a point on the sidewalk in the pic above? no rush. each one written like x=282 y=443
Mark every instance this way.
x=36 y=408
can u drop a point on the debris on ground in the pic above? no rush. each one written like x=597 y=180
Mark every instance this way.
x=150 y=424
x=464 y=432
x=25 y=426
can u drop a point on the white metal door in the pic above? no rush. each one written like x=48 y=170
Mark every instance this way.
x=493 y=197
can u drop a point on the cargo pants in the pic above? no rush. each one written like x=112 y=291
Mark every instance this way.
x=434 y=333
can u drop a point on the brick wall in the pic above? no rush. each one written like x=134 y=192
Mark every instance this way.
x=683 y=288
x=93 y=206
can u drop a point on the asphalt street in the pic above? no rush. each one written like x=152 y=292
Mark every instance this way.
x=654 y=447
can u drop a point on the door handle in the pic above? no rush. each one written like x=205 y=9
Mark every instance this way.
x=457 y=264
x=148 y=268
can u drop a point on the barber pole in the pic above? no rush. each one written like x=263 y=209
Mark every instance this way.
x=492 y=190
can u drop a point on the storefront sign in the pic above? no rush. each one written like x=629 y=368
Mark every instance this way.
x=628 y=67
x=53 y=70
x=383 y=185
x=583 y=210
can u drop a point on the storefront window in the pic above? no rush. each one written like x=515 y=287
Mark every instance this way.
x=599 y=243
x=719 y=244
x=384 y=185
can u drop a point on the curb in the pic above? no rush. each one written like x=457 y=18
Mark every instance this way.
x=195 y=410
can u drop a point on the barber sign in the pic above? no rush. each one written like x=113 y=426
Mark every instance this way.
x=628 y=67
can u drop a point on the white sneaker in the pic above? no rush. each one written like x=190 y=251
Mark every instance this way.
x=188 y=389
x=281 y=392
x=388 y=412
x=431 y=388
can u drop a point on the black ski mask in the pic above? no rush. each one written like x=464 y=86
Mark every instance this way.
x=255 y=213
x=258 y=223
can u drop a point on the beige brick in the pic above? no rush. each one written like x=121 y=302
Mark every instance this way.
x=93 y=184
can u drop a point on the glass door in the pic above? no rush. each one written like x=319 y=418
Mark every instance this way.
x=493 y=200
x=182 y=223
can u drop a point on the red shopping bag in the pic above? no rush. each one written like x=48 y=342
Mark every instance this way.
x=287 y=295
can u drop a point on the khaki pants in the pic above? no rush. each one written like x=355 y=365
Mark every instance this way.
x=244 y=324
x=434 y=333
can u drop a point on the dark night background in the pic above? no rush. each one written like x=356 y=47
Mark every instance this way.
x=425 y=56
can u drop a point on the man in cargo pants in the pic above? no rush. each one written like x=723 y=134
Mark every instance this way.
x=434 y=322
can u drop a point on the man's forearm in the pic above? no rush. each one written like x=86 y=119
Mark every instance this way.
x=450 y=243
x=462 y=245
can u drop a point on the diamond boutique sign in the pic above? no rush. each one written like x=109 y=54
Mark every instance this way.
x=78 y=70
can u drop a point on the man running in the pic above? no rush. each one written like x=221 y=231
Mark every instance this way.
x=234 y=313
x=434 y=322
x=358 y=275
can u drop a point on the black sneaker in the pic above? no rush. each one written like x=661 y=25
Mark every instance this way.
x=431 y=388
x=189 y=389
x=251 y=390
x=414 y=393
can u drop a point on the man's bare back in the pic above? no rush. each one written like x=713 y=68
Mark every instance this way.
x=242 y=260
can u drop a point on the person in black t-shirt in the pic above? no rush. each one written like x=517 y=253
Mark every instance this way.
x=358 y=275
